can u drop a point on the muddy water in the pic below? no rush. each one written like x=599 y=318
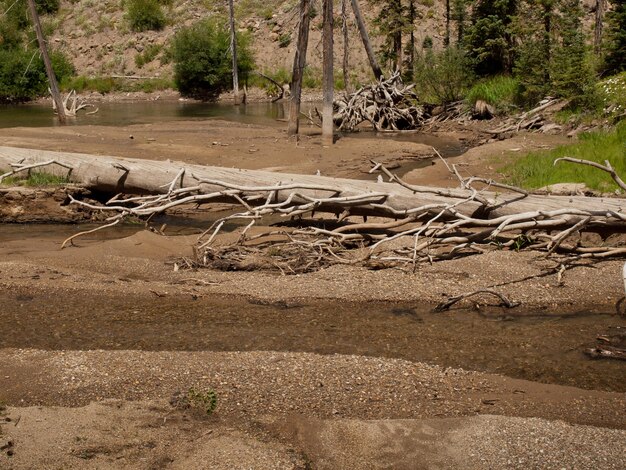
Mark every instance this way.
x=534 y=347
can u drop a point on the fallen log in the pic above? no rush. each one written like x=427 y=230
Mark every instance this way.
x=441 y=222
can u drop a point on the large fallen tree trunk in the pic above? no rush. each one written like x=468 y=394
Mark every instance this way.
x=440 y=221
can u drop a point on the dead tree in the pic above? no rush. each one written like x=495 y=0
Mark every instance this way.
x=233 y=49
x=344 y=30
x=413 y=224
x=52 y=79
x=597 y=33
x=366 y=40
x=328 y=78
x=299 y=62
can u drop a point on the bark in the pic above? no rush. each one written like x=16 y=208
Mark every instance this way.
x=233 y=48
x=366 y=40
x=446 y=39
x=328 y=78
x=344 y=30
x=299 y=61
x=135 y=176
x=52 y=79
x=597 y=35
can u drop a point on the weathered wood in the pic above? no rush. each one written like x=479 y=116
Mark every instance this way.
x=43 y=47
x=366 y=40
x=299 y=61
x=115 y=175
x=233 y=49
x=328 y=80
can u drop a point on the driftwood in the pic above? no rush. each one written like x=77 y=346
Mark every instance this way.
x=412 y=223
x=533 y=120
x=75 y=104
x=387 y=105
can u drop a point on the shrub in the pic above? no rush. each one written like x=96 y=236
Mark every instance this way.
x=499 y=91
x=22 y=80
x=202 y=59
x=144 y=15
x=443 y=77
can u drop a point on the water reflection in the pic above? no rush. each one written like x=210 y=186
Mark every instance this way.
x=144 y=112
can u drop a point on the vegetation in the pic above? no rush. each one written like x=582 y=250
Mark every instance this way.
x=106 y=85
x=34 y=179
x=206 y=400
x=144 y=15
x=22 y=73
x=443 y=77
x=615 y=60
x=536 y=169
x=202 y=59
x=500 y=91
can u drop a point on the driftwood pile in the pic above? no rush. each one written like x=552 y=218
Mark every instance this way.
x=535 y=120
x=386 y=105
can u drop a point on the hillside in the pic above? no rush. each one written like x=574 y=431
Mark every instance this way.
x=98 y=39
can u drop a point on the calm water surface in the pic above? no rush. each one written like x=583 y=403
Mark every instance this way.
x=145 y=112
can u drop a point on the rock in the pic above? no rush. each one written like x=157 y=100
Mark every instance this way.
x=550 y=128
x=274 y=36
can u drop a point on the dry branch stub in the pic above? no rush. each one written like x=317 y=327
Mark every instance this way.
x=375 y=224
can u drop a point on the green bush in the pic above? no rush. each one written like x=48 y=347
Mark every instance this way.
x=202 y=59
x=443 y=77
x=499 y=91
x=23 y=75
x=144 y=15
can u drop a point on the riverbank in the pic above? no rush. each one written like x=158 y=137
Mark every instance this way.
x=322 y=370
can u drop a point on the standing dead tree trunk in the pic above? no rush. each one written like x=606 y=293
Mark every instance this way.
x=366 y=40
x=233 y=49
x=328 y=76
x=299 y=62
x=597 y=33
x=344 y=30
x=52 y=79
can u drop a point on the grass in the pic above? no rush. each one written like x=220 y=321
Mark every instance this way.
x=536 y=169
x=34 y=179
x=106 y=85
x=499 y=91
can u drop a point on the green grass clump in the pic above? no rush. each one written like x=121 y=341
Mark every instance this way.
x=34 y=179
x=499 y=91
x=148 y=55
x=537 y=170
x=106 y=85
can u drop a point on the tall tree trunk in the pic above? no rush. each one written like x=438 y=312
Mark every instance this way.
x=547 y=33
x=446 y=40
x=52 y=79
x=597 y=36
x=328 y=79
x=366 y=40
x=411 y=58
x=299 y=61
x=233 y=49
x=344 y=30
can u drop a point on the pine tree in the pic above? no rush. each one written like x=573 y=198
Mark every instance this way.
x=571 y=74
x=392 y=21
x=488 y=40
x=615 y=60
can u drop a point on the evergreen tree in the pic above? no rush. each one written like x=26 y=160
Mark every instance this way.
x=615 y=60
x=488 y=40
x=393 y=21
x=571 y=74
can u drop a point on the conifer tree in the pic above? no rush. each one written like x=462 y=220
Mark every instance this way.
x=615 y=60
x=488 y=39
